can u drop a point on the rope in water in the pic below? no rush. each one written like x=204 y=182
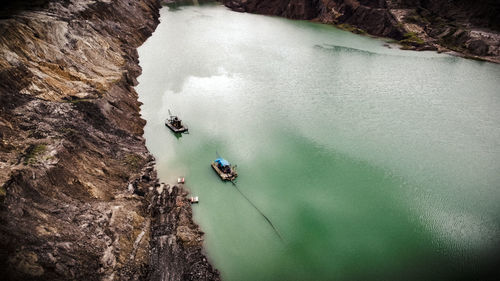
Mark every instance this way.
x=256 y=208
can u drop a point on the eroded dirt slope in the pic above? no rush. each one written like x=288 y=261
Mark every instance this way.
x=77 y=184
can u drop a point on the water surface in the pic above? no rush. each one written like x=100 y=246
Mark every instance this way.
x=373 y=163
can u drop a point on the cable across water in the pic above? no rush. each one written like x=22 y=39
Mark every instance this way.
x=265 y=217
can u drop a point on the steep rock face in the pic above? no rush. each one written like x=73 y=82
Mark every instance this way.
x=294 y=9
x=371 y=16
x=471 y=28
x=76 y=178
x=481 y=13
x=176 y=241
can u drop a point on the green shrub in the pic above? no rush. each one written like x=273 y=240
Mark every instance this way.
x=133 y=161
x=350 y=28
x=32 y=152
x=412 y=39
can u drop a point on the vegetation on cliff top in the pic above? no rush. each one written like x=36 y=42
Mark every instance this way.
x=411 y=39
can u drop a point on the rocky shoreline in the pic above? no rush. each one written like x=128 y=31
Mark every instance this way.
x=469 y=29
x=79 y=196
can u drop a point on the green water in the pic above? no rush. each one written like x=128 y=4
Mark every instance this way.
x=373 y=163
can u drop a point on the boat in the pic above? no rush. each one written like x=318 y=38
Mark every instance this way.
x=225 y=171
x=175 y=124
x=194 y=200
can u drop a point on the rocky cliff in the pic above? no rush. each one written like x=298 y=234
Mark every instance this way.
x=79 y=198
x=469 y=28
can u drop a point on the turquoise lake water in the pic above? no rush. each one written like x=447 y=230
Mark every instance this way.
x=372 y=162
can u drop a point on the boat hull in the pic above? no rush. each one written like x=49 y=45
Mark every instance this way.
x=176 y=130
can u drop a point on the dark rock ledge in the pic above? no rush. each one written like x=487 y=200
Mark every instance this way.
x=79 y=197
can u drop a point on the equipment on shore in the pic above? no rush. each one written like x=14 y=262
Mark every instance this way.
x=175 y=124
x=225 y=171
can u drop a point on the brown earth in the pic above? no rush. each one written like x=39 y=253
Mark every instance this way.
x=79 y=197
x=466 y=28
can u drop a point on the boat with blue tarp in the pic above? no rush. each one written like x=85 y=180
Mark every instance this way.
x=224 y=169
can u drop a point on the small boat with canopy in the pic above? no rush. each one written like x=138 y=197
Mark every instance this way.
x=224 y=169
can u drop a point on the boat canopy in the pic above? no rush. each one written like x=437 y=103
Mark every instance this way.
x=223 y=162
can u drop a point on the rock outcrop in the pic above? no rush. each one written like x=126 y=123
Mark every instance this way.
x=469 y=28
x=294 y=9
x=176 y=240
x=78 y=188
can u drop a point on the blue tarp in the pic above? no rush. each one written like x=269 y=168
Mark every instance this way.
x=223 y=162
